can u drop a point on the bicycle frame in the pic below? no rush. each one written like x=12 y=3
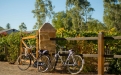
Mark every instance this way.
x=70 y=55
x=31 y=55
x=73 y=62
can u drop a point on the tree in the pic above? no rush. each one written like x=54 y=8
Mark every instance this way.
x=8 y=26
x=1 y=28
x=95 y=25
x=43 y=9
x=58 y=19
x=79 y=11
x=112 y=16
x=62 y=20
x=75 y=18
x=22 y=27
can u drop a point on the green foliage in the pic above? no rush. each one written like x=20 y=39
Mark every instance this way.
x=13 y=41
x=77 y=14
x=3 y=47
x=95 y=26
x=43 y=9
x=11 y=44
x=115 y=65
x=3 y=41
x=8 y=26
x=112 y=14
x=58 y=20
x=1 y=28
x=31 y=42
x=79 y=11
x=22 y=27
x=2 y=57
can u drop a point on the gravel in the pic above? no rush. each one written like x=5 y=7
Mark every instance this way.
x=12 y=69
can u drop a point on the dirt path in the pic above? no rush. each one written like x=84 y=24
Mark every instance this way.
x=11 y=69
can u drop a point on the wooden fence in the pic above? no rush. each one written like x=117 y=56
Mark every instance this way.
x=100 y=39
x=101 y=55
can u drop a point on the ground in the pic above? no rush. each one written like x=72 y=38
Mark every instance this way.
x=12 y=69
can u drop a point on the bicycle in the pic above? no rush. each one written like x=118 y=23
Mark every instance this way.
x=73 y=62
x=27 y=58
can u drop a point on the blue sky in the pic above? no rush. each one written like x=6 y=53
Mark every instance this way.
x=15 y=12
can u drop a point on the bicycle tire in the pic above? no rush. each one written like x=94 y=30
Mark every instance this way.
x=43 y=63
x=75 y=69
x=53 y=63
x=23 y=62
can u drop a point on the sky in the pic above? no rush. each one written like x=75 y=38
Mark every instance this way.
x=15 y=12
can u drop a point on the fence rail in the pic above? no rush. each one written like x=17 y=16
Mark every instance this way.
x=101 y=55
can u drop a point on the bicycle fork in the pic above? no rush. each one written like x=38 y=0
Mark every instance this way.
x=56 y=60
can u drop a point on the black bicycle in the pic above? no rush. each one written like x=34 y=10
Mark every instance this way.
x=26 y=59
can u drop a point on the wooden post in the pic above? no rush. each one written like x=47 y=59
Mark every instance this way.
x=100 y=53
x=37 y=43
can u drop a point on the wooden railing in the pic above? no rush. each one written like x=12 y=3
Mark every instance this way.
x=23 y=43
x=100 y=39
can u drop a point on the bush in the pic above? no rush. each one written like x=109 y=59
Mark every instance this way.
x=2 y=57
x=13 y=47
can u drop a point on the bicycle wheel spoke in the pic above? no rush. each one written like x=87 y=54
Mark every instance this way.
x=43 y=63
x=78 y=65
x=23 y=62
x=53 y=63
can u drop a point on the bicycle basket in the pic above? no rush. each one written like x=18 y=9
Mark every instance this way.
x=44 y=52
x=27 y=50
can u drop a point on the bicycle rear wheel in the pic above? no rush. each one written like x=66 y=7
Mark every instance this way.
x=77 y=64
x=43 y=63
x=23 y=62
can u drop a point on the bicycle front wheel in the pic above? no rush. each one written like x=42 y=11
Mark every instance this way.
x=43 y=63
x=23 y=62
x=75 y=65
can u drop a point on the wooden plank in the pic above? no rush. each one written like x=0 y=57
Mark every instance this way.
x=117 y=56
x=83 y=38
x=37 y=43
x=113 y=37
x=117 y=37
x=79 y=38
x=109 y=56
x=86 y=38
x=90 y=55
x=96 y=55
x=113 y=56
x=57 y=39
x=24 y=44
x=28 y=37
x=101 y=53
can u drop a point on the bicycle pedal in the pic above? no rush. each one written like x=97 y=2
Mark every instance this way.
x=40 y=63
